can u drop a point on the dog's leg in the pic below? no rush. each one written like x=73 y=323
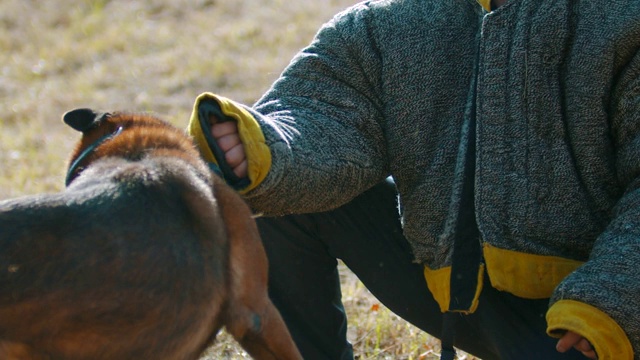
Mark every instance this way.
x=264 y=335
x=252 y=319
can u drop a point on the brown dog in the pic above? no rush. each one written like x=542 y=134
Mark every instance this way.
x=145 y=255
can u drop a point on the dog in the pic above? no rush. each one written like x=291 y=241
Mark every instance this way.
x=146 y=254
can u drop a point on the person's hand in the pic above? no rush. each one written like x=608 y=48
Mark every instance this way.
x=226 y=134
x=573 y=340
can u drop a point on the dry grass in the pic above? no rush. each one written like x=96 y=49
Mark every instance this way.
x=157 y=56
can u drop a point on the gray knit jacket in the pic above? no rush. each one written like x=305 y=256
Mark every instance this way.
x=386 y=88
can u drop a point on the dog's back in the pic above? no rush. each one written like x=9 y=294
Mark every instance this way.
x=128 y=262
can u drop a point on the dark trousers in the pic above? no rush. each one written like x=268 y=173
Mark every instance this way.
x=366 y=235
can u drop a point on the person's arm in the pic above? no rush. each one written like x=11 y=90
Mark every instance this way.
x=600 y=301
x=321 y=121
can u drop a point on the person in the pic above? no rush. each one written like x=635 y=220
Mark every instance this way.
x=476 y=164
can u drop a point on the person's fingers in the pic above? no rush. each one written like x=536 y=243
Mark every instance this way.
x=226 y=135
x=567 y=341
x=571 y=339
x=225 y=128
x=590 y=354
x=241 y=170
x=228 y=142
x=235 y=156
x=583 y=346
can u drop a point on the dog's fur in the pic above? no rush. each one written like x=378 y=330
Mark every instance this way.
x=145 y=255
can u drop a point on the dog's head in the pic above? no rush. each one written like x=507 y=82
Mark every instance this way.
x=125 y=135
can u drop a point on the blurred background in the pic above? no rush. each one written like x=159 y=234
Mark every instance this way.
x=157 y=56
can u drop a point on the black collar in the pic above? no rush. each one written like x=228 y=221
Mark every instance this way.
x=76 y=163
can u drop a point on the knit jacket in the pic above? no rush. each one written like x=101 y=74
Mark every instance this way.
x=388 y=88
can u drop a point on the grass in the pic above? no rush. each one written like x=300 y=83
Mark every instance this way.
x=157 y=56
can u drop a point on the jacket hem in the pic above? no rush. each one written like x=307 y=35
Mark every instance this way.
x=526 y=275
x=439 y=284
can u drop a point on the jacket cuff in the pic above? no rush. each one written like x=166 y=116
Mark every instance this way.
x=605 y=335
x=255 y=147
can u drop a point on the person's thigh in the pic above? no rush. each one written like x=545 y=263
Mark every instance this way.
x=366 y=235
x=303 y=279
x=304 y=285
x=513 y=327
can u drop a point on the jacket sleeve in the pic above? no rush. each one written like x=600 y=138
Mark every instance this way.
x=601 y=299
x=322 y=122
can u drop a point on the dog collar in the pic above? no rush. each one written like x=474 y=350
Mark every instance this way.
x=76 y=163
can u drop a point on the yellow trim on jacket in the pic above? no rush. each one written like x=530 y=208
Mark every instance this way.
x=526 y=275
x=255 y=147
x=486 y=4
x=439 y=283
x=605 y=335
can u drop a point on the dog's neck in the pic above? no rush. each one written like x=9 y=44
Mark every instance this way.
x=73 y=168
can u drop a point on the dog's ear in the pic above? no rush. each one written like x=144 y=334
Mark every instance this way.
x=83 y=119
